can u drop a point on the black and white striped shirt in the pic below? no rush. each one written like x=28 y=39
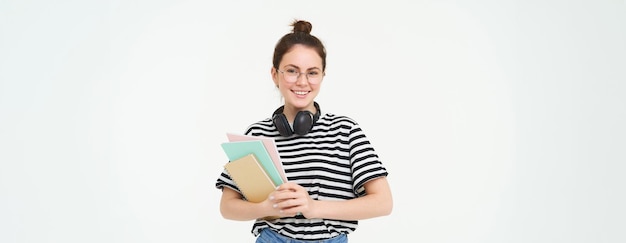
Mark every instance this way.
x=332 y=162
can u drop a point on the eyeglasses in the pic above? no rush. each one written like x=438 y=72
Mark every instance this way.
x=291 y=75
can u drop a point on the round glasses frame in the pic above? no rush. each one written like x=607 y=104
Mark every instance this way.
x=292 y=76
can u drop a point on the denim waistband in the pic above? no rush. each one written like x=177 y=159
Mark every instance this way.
x=269 y=236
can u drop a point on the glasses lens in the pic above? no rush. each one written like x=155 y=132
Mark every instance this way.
x=313 y=77
x=291 y=75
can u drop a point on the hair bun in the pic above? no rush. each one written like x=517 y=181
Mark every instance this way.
x=302 y=26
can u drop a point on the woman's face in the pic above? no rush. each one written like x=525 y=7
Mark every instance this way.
x=299 y=92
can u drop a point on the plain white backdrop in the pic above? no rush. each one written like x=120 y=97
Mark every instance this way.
x=499 y=121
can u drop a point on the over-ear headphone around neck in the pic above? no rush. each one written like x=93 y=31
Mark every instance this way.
x=302 y=123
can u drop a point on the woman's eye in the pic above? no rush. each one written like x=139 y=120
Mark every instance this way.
x=292 y=71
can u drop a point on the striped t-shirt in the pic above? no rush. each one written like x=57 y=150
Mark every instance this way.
x=332 y=162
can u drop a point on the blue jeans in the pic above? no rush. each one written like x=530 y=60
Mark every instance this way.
x=270 y=236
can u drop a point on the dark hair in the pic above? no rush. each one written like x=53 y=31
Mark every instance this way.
x=301 y=34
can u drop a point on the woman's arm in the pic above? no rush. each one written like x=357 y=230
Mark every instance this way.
x=233 y=207
x=291 y=199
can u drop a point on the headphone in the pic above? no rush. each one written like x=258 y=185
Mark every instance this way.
x=302 y=124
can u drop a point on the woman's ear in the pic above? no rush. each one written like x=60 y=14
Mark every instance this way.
x=274 y=76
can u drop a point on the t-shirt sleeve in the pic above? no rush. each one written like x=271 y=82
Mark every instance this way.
x=224 y=180
x=365 y=162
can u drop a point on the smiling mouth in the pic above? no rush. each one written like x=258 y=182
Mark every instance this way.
x=301 y=92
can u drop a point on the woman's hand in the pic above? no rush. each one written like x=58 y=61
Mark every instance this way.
x=290 y=199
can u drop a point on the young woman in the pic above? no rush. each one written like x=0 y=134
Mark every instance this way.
x=335 y=177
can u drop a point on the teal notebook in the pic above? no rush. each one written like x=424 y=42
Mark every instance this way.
x=239 y=149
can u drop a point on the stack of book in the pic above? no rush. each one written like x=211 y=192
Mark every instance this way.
x=254 y=165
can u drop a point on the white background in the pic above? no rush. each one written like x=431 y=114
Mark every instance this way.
x=499 y=121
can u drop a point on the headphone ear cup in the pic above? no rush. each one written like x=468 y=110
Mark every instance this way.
x=303 y=122
x=282 y=125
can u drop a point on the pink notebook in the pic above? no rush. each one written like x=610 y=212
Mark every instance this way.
x=270 y=146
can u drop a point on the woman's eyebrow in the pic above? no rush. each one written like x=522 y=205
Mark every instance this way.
x=291 y=65
x=294 y=66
